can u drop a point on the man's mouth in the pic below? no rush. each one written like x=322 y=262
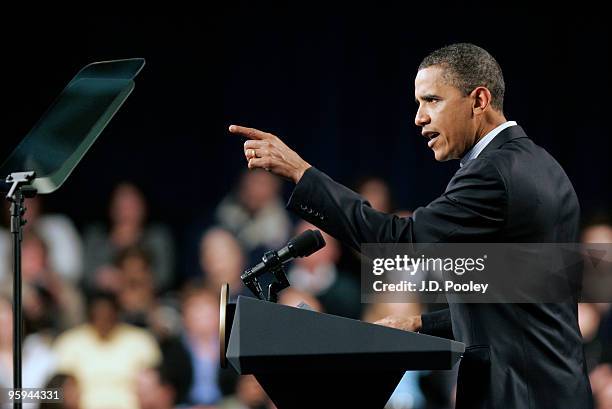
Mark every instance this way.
x=432 y=136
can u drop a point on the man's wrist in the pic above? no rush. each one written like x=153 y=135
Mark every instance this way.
x=300 y=172
x=418 y=324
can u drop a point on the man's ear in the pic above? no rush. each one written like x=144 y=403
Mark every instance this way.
x=482 y=99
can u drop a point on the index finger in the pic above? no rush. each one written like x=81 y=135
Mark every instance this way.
x=250 y=133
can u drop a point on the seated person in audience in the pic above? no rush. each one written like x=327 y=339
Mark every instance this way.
x=201 y=338
x=221 y=261
x=71 y=396
x=249 y=395
x=128 y=227
x=105 y=355
x=155 y=389
x=64 y=243
x=338 y=292
x=255 y=214
x=49 y=301
x=377 y=192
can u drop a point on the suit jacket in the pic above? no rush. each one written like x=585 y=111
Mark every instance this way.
x=523 y=356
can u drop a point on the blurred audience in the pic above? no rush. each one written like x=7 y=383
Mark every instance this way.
x=64 y=245
x=71 y=396
x=596 y=322
x=6 y=343
x=128 y=227
x=249 y=395
x=141 y=305
x=38 y=358
x=201 y=338
x=597 y=278
x=49 y=301
x=155 y=389
x=105 y=355
x=136 y=293
x=601 y=384
x=589 y=320
x=598 y=232
x=255 y=214
x=377 y=192
x=221 y=261
x=338 y=292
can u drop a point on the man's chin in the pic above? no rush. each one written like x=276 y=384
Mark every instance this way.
x=441 y=156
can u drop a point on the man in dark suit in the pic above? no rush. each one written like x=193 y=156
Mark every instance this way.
x=507 y=189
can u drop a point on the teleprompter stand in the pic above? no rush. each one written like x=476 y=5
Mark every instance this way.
x=47 y=155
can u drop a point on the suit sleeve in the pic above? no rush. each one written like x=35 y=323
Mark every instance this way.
x=437 y=323
x=472 y=209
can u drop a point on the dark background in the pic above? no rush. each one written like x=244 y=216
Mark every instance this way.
x=336 y=86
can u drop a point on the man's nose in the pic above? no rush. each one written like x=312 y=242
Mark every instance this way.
x=421 y=119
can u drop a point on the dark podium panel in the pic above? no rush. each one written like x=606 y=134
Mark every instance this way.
x=306 y=359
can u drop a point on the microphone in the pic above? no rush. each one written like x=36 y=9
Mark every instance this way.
x=301 y=246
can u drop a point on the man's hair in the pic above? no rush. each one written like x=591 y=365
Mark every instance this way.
x=466 y=67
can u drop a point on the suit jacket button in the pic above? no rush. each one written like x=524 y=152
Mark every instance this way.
x=302 y=207
x=309 y=211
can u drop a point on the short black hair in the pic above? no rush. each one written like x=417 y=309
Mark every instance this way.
x=466 y=67
x=98 y=295
x=133 y=252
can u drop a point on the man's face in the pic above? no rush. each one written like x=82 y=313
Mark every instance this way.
x=445 y=115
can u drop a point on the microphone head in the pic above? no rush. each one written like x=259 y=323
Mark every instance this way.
x=306 y=243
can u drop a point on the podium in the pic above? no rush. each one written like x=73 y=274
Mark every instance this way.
x=307 y=359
